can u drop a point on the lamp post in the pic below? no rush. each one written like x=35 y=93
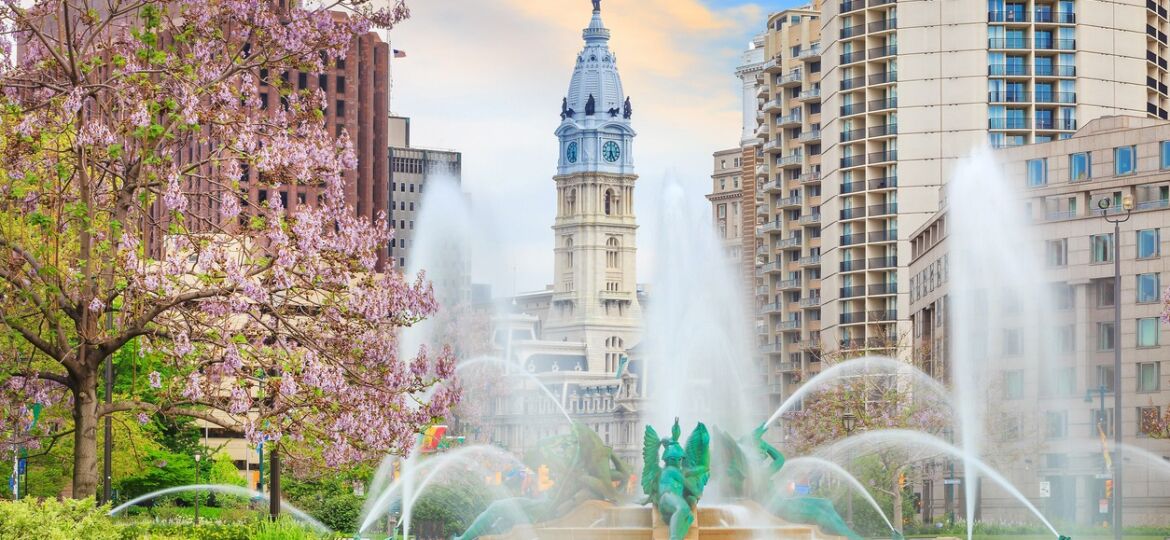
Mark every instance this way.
x=949 y=483
x=849 y=422
x=1127 y=205
x=198 y=456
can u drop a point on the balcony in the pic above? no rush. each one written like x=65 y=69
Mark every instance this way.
x=810 y=136
x=788 y=243
x=775 y=186
x=853 y=187
x=773 y=267
x=883 y=104
x=883 y=236
x=1018 y=123
x=810 y=177
x=886 y=182
x=852 y=161
x=850 y=31
x=1008 y=70
x=852 y=213
x=883 y=77
x=1060 y=216
x=876 y=3
x=852 y=109
x=762 y=169
x=1153 y=204
x=787 y=326
x=852 y=6
x=792 y=78
x=788 y=367
x=788 y=120
x=773 y=64
x=810 y=302
x=774 y=146
x=853 y=265
x=852 y=292
x=1056 y=44
x=882 y=315
x=811 y=260
x=883 y=209
x=883 y=262
x=1056 y=97
x=791 y=160
x=855 y=82
x=811 y=53
x=852 y=239
x=1062 y=124
x=883 y=289
x=852 y=135
x=788 y=285
x=810 y=219
x=883 y=157
x=810 y=95
x=770 y=226
x=772 y=307
x=882 y=52
x=884 y=130
x=1014 y=43
x=762 y=290
x=853 y=318
x=789 y=202
x=774 y=105
x=883 y=25
x=853 y=57
x=1047 y=70
x=770 y=348
x=1008 y=96
x=1007 y=16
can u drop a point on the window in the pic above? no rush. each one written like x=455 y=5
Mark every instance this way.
x=1055 y=424
x=609 y=202
x=1037 y=172
x=1013 y=384
x=569 y=252
x=1078 y=167
x=1011 y=342
x=1102 y=247
x=1100 y=420
x=1148 y=243
x=1106 y=337
x=1105 y=378
x=611 y=253
x=1057 y=252
x=1066 y=382
x=1148 y=376
x=1147 y=288
x=1105 y=292
x=1164 y=155
x=1124 y=160
x=341 y=108
x=1066 y=337
x=1149 y=420
x=1147 y=332
x=1063 y=296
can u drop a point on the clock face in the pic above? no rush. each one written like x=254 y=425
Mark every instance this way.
x=611 y=151
x=571 y=152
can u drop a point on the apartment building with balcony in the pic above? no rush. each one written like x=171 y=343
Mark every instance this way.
x=787 y=281
x=1063 y=183
x=909 y=88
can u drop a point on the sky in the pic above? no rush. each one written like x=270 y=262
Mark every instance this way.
x=486 y=78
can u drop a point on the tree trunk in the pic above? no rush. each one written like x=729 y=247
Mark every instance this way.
x=85 y=421
x=897 y=498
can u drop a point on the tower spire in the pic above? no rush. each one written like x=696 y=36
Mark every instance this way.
x=597 y=6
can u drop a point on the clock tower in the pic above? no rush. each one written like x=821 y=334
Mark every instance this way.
x=595 y=297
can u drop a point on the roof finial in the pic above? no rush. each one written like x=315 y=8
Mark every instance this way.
x=597 y=6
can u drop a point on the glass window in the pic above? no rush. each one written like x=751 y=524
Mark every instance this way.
x=1105 y=336
x=1105 y=292
x=1147 y=377
x=1147 y=332
x=1056 y=424
x=1105 y=378
x=1037 y=172
x=1164 y=155
x=1013 y=384
x=1078 y=167
x=1057 y=252
x=1012 y=343
x=1102 y=247
x=1124 y=160
x=1147 y=288
x=1147 y=243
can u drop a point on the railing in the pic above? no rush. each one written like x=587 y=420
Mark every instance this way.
x=770 y=348
x=852 y=6
x=880 y=52
x=1008 y=43
x=883 y=182
x=852 y=266
x=811 y=260
x=773 y=266
x=1153 y=6
x=1009 y=123
x=852 y=213
x=849 y=58
x=853 y=161
x=883 y=77
x=788 y=284
x=791 y=159
x=883 y=209
x=793 y=76
x=1008 y=70
x=851 y=239
x=790 y=118
x=883 y=262
x=788 y=325
x=770 y=226
x=883 y=288
x=1065 y=124
x=1007 y=16
x=883 y=130
x=853 y=108
x=812 y=52
x=883 y=25
x=851 y=31
x=1057 y=216
x=882 y=315
x=809 y=94
x=810 y=135
x=882 y=157
x=853 y=187
x=875 y=3
x=810 y=219
x=771 y=307
x=791 y=241
x=789 y=201
x=1056 y=44
x=853 y=318
x=810 y=302
x=882 y=104
x=852 y=292
x=883 y=236
x=1043 y=70
x=849 y=84
x=774 y=144
x=774 y=185
x=852 y=135
x=1008 y=96
x=809 y=177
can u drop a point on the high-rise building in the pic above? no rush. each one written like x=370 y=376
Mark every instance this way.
x=969 y=74
x=726 y=200
x=1063 y=183
x=911 y=87
x=788 y=184
x=410 y=169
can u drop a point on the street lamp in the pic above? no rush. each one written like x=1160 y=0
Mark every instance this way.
x=849 y=422
x=1127 y=205
x=198 y=456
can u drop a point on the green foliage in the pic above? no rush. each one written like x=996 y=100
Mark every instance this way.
x=455 y=503
x=260 y=529
x=50 y=519
x=329 y=499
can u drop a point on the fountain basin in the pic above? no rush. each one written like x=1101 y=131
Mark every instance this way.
x=597 y=520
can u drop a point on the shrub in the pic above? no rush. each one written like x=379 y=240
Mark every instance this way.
x=50 y=519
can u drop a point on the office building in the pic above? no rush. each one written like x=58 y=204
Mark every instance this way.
x=410 y=168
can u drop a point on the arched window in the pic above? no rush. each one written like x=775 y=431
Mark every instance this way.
x=610 y=202
x=568 y=252
x=611 y=253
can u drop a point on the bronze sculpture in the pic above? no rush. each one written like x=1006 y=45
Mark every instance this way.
x=675 y=486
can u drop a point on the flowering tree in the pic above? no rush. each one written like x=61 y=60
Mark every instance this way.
x=127 y=126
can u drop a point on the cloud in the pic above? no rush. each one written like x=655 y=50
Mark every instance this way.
x=486 y=78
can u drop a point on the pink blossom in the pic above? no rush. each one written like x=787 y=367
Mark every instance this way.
x=155 y=379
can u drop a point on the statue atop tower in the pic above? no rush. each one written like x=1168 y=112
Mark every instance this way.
x=597 y=6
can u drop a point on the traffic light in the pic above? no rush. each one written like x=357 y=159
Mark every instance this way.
x=1109 y=488
x=902 y=480
x=543 y=482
